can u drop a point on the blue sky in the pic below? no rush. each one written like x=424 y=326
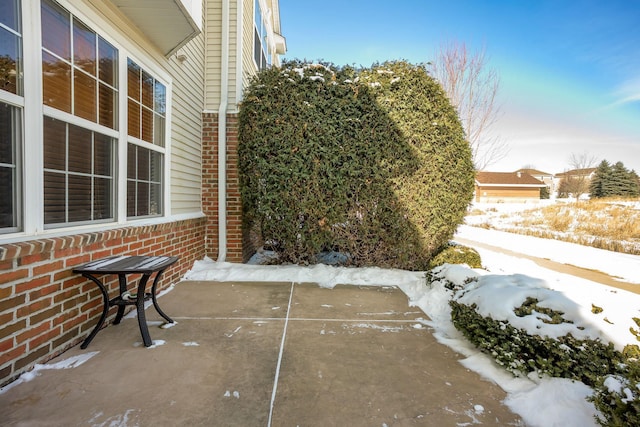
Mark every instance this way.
x=569 y=70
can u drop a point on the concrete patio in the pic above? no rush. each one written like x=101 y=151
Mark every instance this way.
x=264 y=354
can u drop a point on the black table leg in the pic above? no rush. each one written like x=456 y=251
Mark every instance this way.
x=105 y=310
x=155 y=300
x=122 y=282
x=142 y=318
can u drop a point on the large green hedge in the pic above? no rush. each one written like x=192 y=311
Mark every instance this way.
x=372 y=163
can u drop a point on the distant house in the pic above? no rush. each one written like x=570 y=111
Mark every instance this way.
x=574 y=183
x=514 y=187
x=577 y=173
x=547 y=178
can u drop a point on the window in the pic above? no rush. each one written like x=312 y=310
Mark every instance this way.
x=79 y=78
x=146 y=109
x=82 y=124
x=79 y=68
x=10 y=139
x=11 y=103
x=78 y=174
x=144 y=181
x=261 y=50
x=10 y=47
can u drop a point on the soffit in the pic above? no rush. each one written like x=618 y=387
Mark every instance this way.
x=169 y=24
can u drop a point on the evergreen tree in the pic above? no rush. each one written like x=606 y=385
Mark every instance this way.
x=614 y=180
x=635 y=184
x=544 y=193
x=619 y=182
x=600 y=179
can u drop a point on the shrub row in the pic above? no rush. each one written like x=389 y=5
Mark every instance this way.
x=614 y=375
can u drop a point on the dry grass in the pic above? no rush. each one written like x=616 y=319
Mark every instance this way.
x=606 y=224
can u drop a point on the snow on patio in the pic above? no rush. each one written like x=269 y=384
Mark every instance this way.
x=564 y=400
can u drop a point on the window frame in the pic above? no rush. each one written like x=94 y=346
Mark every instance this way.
x=16 y=102
x=73 y=118
x=153 y=146
x=33 y=110
x=261 y=33
x=17 y=148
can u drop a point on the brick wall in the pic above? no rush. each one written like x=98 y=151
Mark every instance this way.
x=237 y=248
x=45 y=308
x=210 y=181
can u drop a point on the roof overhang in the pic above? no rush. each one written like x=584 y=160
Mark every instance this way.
x=169 y=24
x=280 y=43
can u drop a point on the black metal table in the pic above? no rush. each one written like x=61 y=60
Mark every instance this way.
x=122 y=266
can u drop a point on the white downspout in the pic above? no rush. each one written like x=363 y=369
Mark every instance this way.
x=239 y=47
x=222 y=136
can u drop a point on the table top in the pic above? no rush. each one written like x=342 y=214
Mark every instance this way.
x=127 y=264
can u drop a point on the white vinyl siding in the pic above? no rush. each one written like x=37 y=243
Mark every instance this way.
x=248 y=64
x=213 y=54
x=186 y=132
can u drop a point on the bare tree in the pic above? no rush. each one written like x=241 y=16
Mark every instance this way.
x=472 y=88
x=582 y=160
x=576 y=181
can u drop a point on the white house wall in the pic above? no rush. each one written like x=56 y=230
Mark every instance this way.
x=240 y=49
x=186 y=133
x=213 y=54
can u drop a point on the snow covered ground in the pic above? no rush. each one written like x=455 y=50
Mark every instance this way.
x=505 y=279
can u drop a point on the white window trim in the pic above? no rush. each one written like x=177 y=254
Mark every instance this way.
x=33 y=112
x=265 y=15
x=33 y=216
x=166 y=150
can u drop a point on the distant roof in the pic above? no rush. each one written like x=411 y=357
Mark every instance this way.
x=577 y=172
x=534 y=172
x=509 y=179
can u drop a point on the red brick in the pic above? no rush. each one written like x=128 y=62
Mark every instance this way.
x=6 y=265
x=6 y=345
x=77 y=260
x=73 y=302
x=31 y=259
x=12 y=303
x=47 y=268
x=46 y=337
x=5 y=292
x=12 y=354
x=32 y=332
x=14 y=275
x=10 y=251
x=8 y=330
x=25 y=311
x=74 y=281
x=63 y=274
x=44 y=291
x=66 y=252
x=65 y=316
x=101 y=254
x=31 y=357
x=42 y=316
x=76 y=321
x=67 y=338
x=6 y=318
x=32 y=284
